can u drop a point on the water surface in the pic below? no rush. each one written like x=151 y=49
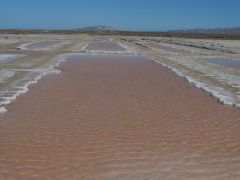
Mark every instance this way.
x=232 y=63
x=43 y=45
x=5 y=58
x=118 y=118
x=104 y=46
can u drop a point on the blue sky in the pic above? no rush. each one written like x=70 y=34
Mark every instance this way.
x=151 y=15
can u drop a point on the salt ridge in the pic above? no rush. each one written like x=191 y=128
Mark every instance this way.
x=22 y=86
x=224 y=96
x=25 y=46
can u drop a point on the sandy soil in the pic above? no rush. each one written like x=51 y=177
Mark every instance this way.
x=118 y=118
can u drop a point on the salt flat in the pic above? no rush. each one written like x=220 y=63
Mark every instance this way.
x=83 y=111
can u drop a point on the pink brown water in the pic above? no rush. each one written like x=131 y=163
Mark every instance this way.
x=118 y=118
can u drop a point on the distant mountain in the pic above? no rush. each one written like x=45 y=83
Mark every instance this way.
x=97 y=28
x=211 y=31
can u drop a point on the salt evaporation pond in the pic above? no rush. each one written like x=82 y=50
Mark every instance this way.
x=43 y=45
x=14 y=82
x=5 y=58
x=104 y=46
x=227 y=62
x=166 y=48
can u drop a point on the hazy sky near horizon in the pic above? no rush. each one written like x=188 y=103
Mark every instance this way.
x=124 y=14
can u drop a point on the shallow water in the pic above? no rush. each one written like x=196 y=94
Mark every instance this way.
x=5 y=58
x=118 y=118
x=40 y=45
x=15 y=80
x=104 y=46
x=233 y=63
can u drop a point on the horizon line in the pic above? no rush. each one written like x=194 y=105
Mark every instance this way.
x=119 y=29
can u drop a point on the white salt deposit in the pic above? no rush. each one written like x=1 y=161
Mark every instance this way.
x=225 y=96
x=32 y=76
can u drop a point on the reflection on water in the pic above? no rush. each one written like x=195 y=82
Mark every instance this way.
x=40 y=45
x=233 y=63
x=104 y=46
x=5 y=58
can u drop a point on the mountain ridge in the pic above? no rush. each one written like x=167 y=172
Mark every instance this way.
x=99 y=28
